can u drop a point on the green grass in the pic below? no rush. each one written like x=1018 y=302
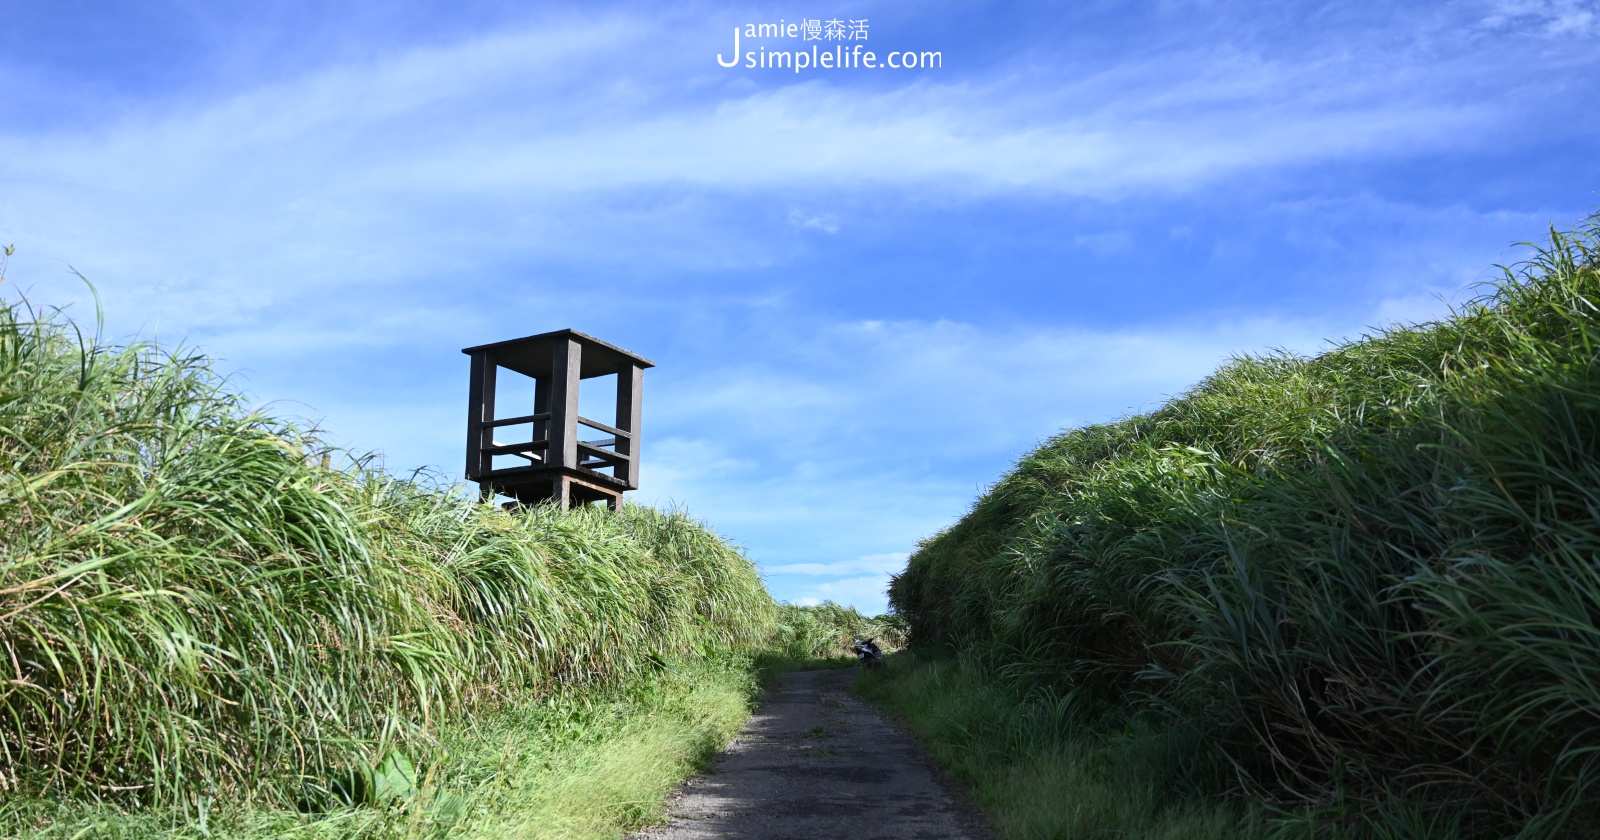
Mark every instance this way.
x=1044 y=765
x=200 y=603
x=824 y=632
x=575 y=765
x=1367 y=580
x=820 y=637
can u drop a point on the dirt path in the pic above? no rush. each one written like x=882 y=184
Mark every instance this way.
x=817 y=762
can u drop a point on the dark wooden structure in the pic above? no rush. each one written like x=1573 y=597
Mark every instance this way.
x=552 y=463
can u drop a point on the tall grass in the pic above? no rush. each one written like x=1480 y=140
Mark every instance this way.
x=1369 y=577
x=826 y=631
x=582 y=763
x=1045 y=764
x=195 y=602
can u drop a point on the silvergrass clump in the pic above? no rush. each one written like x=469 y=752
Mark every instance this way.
x=1369 y=577
x=193 y=603
x=1039 y=762
x=826 y=630
x=582 y=762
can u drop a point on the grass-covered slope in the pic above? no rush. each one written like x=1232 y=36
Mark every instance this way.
x=1370 y=579
x=587 y=762
x=194 y=603
x=826 y=631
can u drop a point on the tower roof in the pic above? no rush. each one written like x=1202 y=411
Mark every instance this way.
x=532 y=356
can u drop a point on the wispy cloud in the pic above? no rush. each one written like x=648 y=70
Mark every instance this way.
x=885 y=432
x=536 y=142
x=865 y=593
x=890 y=562
x=831 y=388
x=1554 y=18
x=823 y=222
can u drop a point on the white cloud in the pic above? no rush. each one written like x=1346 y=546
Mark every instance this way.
x=420 y=164
x=947 y=389
x=890 y=562
x=867 y=436
x=802 y=220
x=1552 y=18
x=864 y=437
x=867 y=594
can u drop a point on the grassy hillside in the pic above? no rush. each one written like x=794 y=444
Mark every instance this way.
x=826 y=631
x=1361 y=587
x=199 y=603
x=589 y=762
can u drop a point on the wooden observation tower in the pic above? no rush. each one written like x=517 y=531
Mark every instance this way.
x=548 y=461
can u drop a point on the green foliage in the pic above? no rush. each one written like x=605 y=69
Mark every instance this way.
x=583 y=762
x=826 y=630
x=194 y=604
x=1045 y=764
x=1369 y=578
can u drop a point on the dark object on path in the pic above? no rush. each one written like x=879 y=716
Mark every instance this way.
x=868 y=654
x=815 y=761
x=559 y=467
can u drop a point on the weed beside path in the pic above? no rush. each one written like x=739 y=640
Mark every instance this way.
x=1042 y=767
x=576 y=766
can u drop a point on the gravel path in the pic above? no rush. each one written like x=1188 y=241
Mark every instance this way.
x=815 y=761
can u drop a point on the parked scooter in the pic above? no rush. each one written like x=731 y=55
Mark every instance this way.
x=867 y=654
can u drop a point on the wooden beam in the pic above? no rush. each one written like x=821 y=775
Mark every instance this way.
x=566 y=370
x=603 y=454
x=601 y=427
x=561 y=491
x=480 y=410
x=541 y=408
x=496 y=448
x=600 y=480
x=630 y=395
x=517 y=421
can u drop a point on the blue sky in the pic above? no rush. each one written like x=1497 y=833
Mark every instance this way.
x=867 y=290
